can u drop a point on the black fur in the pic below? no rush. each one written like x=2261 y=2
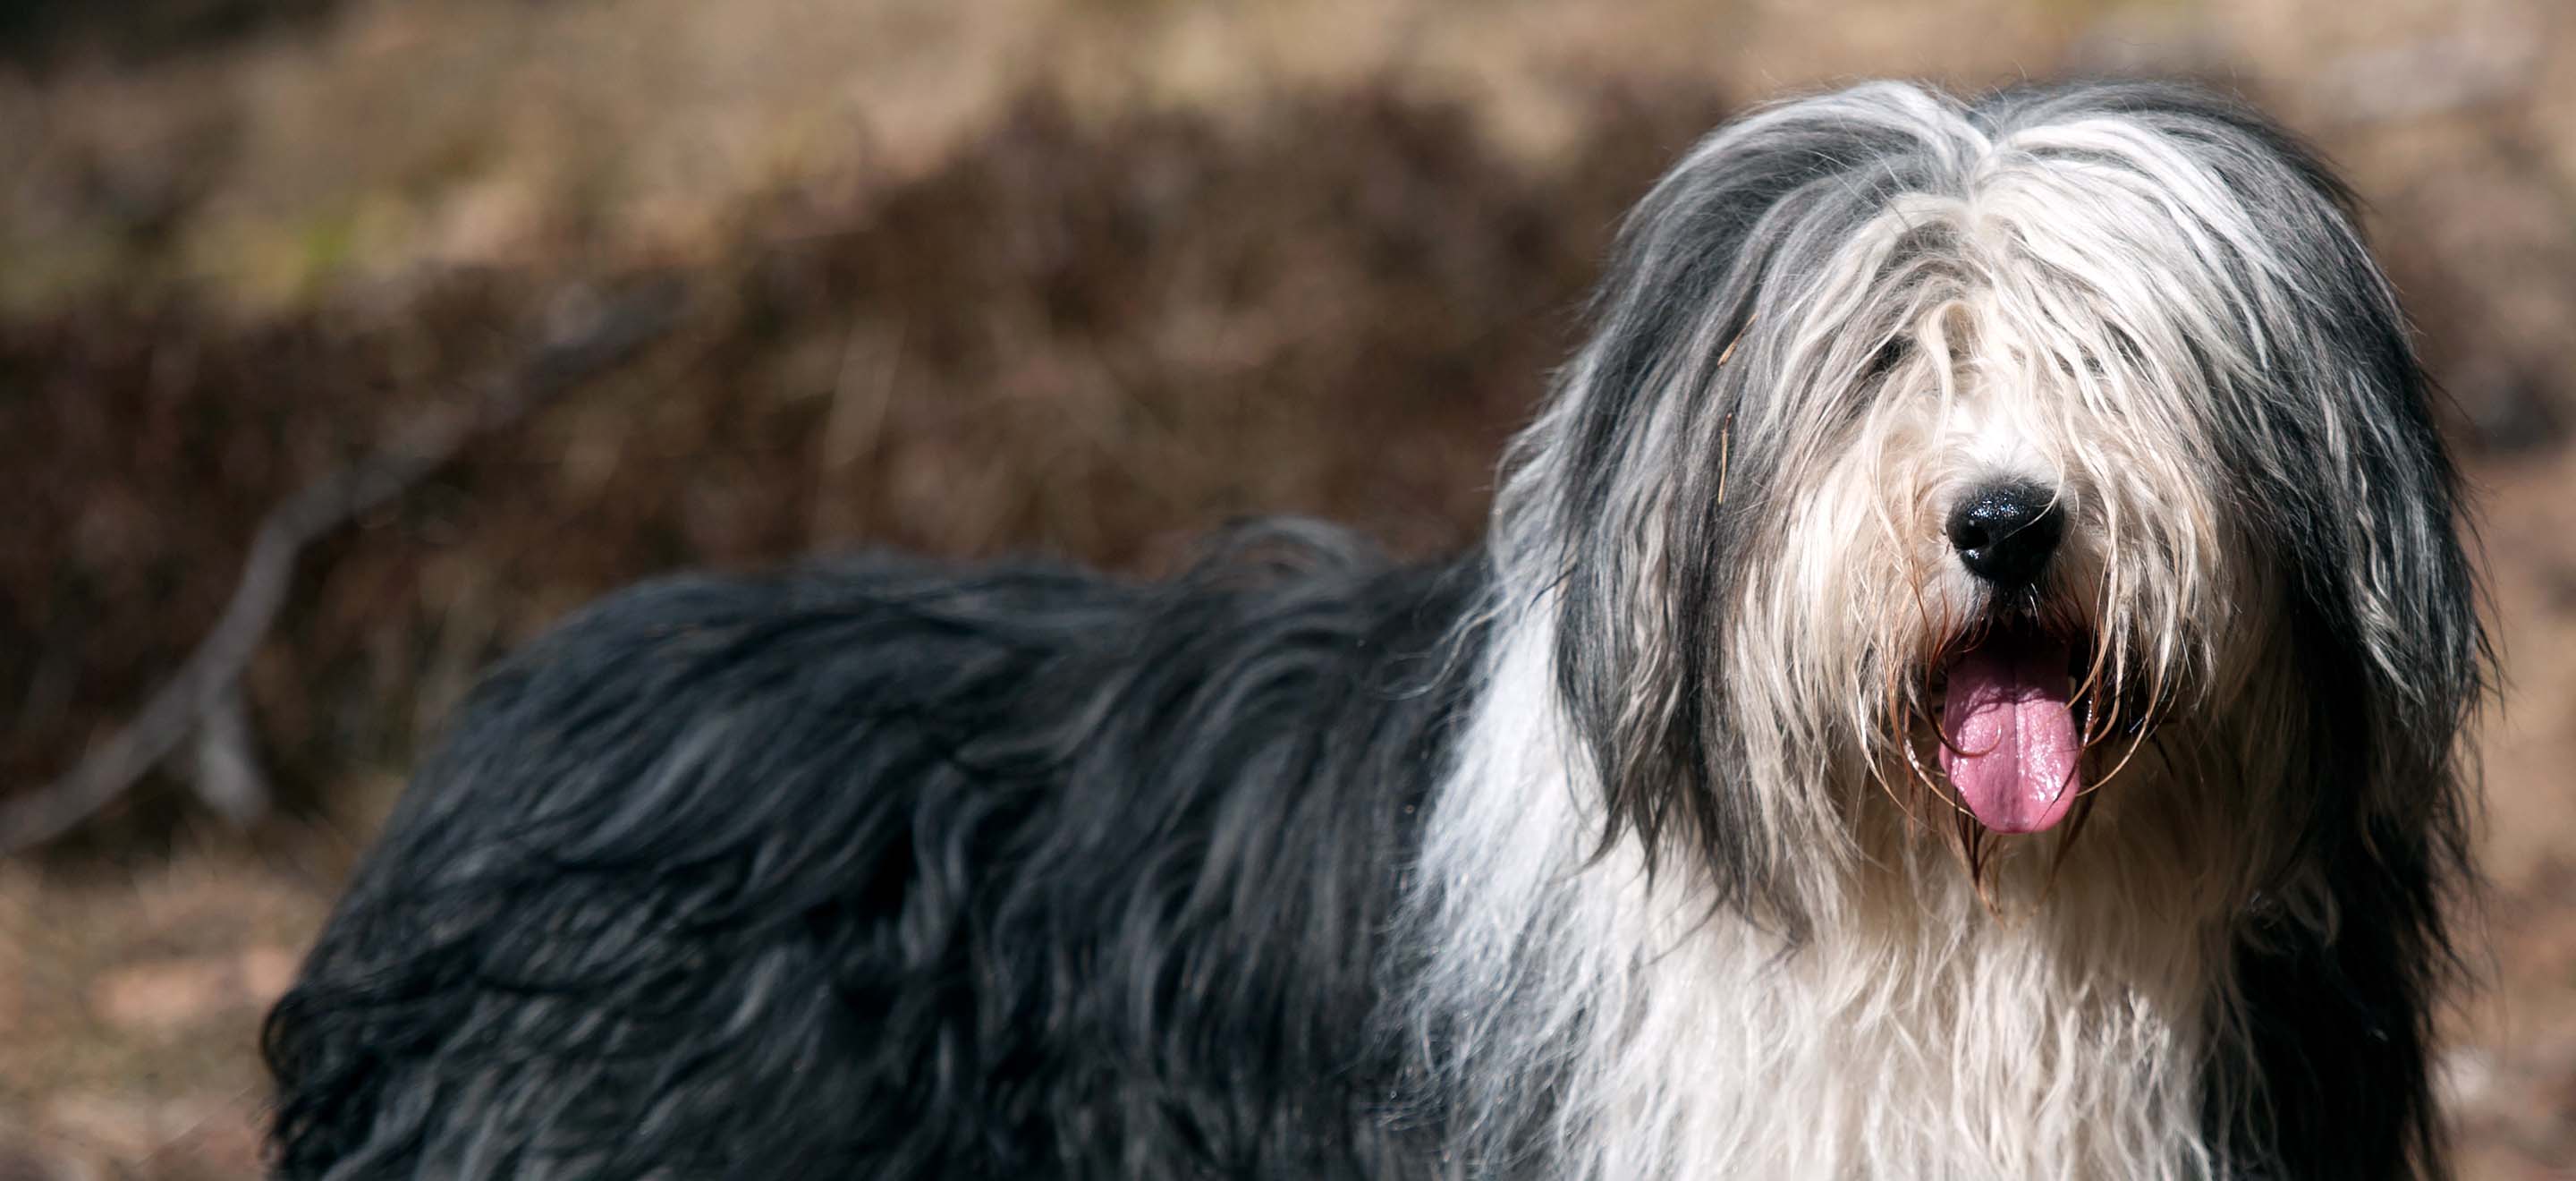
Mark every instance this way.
x=875 y=870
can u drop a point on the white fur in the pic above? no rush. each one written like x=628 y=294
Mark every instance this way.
x=1916 y=1035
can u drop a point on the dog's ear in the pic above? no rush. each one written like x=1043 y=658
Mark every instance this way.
x=1644 y=494
x=2337 y=970
x=2338 y=983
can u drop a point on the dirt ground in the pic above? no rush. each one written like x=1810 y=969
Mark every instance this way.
x=1080 y=276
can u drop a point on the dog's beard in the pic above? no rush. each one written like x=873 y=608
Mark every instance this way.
x=2012 y=724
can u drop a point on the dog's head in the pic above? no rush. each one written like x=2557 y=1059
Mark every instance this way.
x=1983 y=462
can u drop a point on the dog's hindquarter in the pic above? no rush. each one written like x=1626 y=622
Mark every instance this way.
x=875 y=870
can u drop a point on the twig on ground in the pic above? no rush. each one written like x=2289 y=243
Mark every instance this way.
x=600 y=339
x=226 y=773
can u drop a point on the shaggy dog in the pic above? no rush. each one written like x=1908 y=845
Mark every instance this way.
x=1966 y=679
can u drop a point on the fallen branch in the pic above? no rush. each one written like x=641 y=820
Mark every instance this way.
x=227 y=773
x=596 y=342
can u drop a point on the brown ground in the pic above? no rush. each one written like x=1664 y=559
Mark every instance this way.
x=1087 y=276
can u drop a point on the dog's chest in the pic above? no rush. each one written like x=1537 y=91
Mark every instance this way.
x=1946 y=1048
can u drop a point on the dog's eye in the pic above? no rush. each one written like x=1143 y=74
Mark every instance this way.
x=1891 y=353
x=2085 y=364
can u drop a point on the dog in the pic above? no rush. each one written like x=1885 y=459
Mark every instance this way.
x=1968 y=677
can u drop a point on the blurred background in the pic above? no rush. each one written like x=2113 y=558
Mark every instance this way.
x=344 y=343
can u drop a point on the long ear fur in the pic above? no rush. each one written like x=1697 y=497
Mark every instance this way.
x=1644 y=538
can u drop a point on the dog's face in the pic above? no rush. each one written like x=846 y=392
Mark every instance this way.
x=1983 y=462
x=2010 y=539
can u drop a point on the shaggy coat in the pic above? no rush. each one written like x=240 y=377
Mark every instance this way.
x=1621 y=846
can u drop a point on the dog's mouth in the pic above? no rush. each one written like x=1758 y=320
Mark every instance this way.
x=2011 y=740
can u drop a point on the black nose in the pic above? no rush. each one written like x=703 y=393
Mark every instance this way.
x=2005 y=532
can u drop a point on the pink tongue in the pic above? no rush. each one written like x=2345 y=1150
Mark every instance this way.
x=2011 y=739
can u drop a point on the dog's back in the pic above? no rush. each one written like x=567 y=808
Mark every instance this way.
x=874 y=870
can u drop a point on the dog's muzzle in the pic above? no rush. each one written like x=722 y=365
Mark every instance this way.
x=2009 y=742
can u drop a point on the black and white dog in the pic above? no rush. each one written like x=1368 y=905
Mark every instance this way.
x=1967 y=679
